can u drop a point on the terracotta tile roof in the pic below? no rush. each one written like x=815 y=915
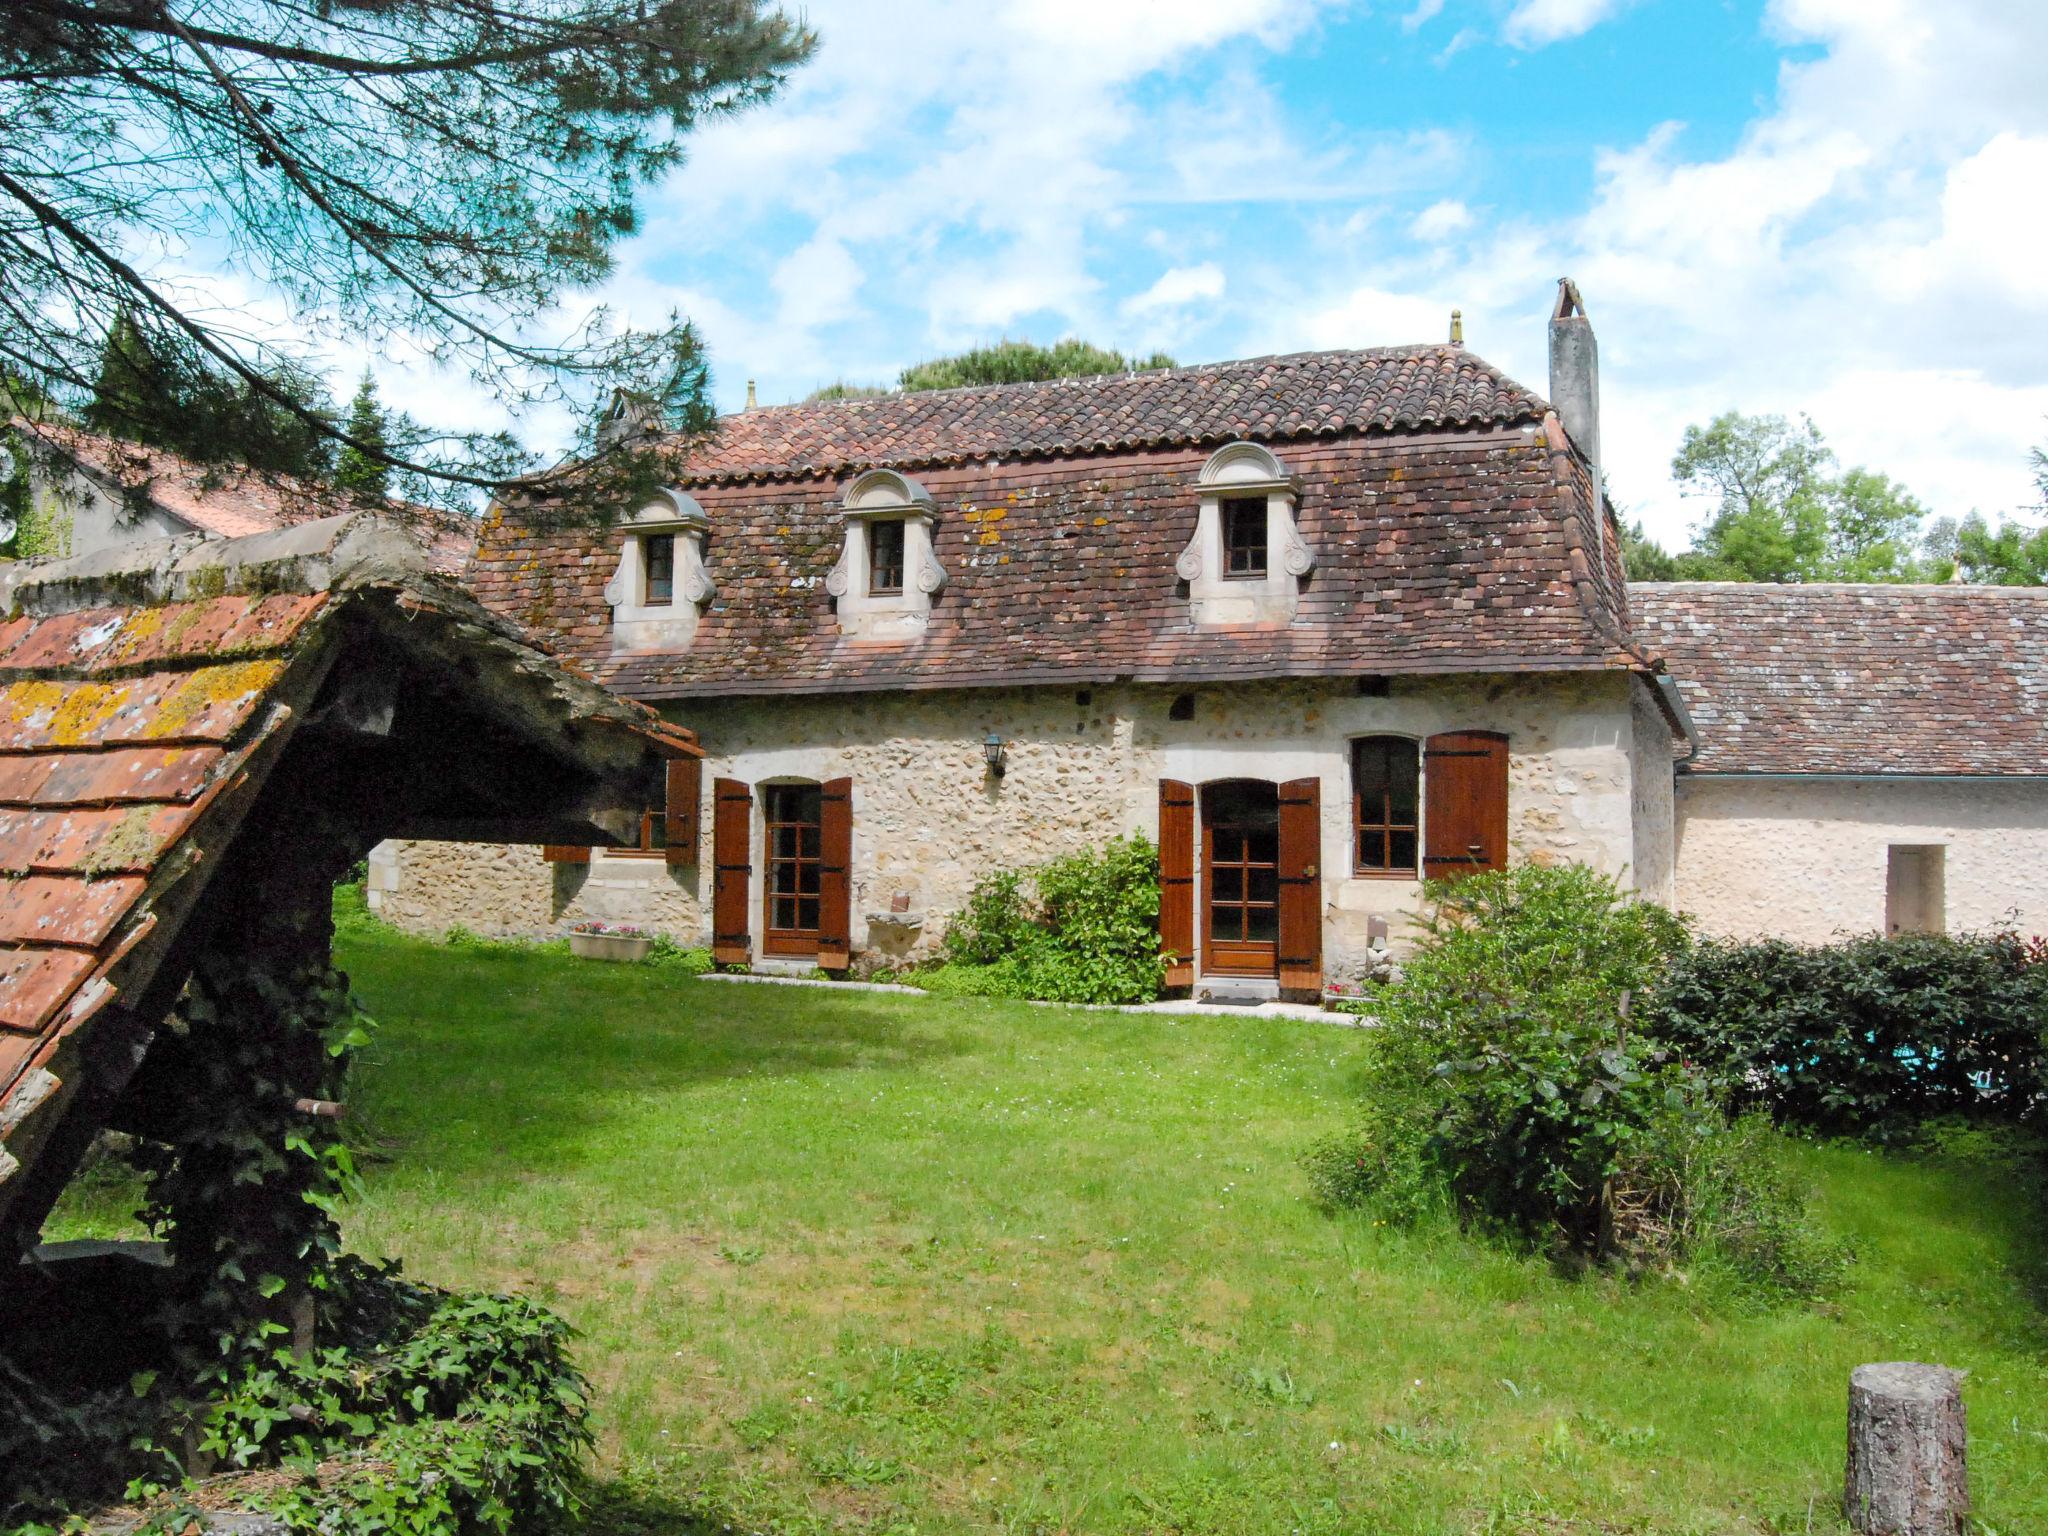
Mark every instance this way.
x=227 y=501
x=1267 y=399
x=142 y=705
x=1453 y=527
x=1856 y=679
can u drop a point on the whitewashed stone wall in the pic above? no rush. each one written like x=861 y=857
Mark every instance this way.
x=1805 y=859
x=1082 y=765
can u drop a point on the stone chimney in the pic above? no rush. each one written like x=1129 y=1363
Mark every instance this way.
x=1575 y=371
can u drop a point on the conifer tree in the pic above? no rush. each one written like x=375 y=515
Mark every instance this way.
x=363 y=467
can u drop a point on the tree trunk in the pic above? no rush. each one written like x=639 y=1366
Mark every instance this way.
x=1906 y=1438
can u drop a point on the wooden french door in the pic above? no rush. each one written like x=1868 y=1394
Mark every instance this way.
x=1241 y=878
x=792 y=892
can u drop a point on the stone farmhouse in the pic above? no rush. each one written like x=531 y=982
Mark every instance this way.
x=1320 y=625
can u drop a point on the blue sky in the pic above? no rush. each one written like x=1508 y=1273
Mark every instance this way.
x=1836 y=206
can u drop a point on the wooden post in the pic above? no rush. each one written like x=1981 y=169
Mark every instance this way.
x=1906 y=1474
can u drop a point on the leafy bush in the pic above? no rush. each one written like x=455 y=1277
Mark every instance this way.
x=994 y=925
x=1869 y=1037
x=1724 y=1198
x=684 y=961
x=1505 y=1073
x=1088 y=933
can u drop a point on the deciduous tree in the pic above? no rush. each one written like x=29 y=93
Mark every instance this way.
x=1783 y=512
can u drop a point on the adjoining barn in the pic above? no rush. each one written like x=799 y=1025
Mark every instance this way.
x=1872 y=758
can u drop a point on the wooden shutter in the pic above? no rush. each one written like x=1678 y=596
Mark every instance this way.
x=685 y=790
x=564 y=853
x=835 y=874
x=732 y=819
x=1301 y=890
x=1465 y=803
x=1177 y=881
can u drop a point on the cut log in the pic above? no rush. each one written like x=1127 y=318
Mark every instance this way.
x=1906 y=1473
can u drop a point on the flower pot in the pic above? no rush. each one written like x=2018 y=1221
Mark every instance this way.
x=609 y=946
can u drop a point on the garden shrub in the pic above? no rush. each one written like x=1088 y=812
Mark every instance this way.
x=1512 y=1082
x=1086 y=932
x=1869 y=1037
x=684 y=960
x=1505 y=1073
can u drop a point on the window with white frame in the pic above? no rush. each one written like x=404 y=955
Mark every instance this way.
x=662 y=582
x=1246 y=560
x=887 y=573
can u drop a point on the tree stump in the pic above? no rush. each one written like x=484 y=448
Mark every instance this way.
x=1906 y=1474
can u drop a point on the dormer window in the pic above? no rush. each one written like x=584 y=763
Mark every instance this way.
x=1244 y=537
x=885 y=558
x=1245 y=563
x=661 y=568
x=661 y=583
x=887 y=573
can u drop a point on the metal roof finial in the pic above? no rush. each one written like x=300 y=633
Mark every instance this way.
x=1457 y=327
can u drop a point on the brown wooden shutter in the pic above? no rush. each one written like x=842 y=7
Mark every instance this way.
x=1177 y=881
x=685 y=791
x=835 y=874
x=564 y=853
x=732 y=819
x=1301 y=890
x=1465 y=803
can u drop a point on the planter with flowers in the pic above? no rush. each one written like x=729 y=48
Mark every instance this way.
x=610 y=941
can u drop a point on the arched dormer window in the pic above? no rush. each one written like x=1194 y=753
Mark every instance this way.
x=662 y=583
x=1245 y=562
x=887 y=573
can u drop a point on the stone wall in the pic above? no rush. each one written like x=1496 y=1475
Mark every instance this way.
x=1807 y=859
x=1082 y=765
x=1654 y=807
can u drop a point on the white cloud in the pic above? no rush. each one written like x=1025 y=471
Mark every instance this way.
x=1536 y=23
x=1177 y=287
x=1867 y=253
x=1424 y=13
x=1440 y=221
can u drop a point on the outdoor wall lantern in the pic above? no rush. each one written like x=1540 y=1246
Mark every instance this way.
x=992 y=749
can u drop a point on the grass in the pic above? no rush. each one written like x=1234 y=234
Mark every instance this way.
x=850 y=1261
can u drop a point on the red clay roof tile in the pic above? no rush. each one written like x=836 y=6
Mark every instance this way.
x=35 y=983
x=66 y=909
x=94 y=842
x=207 y=704
x=121 y=775
x=1271 y=399
x=1833 y=678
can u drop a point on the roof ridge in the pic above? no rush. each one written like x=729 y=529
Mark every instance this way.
x=1083 y=380
x=1946 y=588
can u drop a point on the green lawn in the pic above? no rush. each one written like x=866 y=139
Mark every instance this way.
x=867 y=1262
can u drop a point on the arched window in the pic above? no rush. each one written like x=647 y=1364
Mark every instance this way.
x=1385 y=798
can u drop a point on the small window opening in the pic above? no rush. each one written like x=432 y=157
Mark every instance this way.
x=1084 y=697
x=1385 y=780
x=1915 y=888
x=885 y=557
x=1375 y=687
x=661 y=568
x=1182 y=708
x=1244 y=536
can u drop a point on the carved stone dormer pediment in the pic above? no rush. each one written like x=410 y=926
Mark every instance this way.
x=662 y=582
x=1246 y=559
x=888 y=571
